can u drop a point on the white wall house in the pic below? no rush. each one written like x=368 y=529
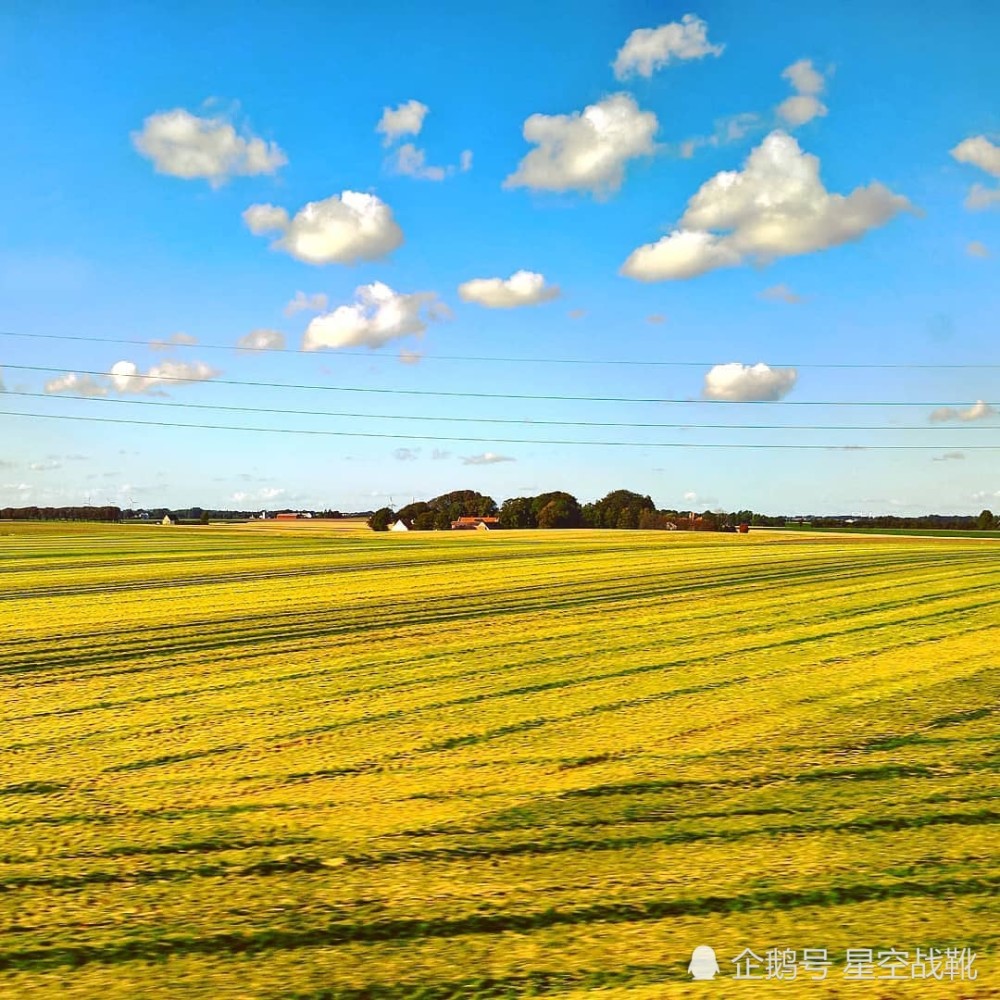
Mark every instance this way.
x=398 y=526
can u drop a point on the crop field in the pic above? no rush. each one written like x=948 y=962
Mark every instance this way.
x=310 y=761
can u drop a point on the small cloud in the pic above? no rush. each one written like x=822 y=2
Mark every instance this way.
x=306 y=303
x=748 y=383
x=949 y=456
x=486 y=458
x=648 y=49
x=523 y=288
x=577 y=313
x=465 y=161
x=980 y=410
x=656 y=318
x=437 y=455
x=404 y=119
x=174 y=340
x=978 y=151
x=411 y=161
x=690 y=495
x=586 y=150
x=379 y=315
x=76 y=385
x=262 y=340
x=406 y=454
x=44 y=466
x=805 y=105
x=410 y=357
x=727 y=130
x=183 y=145
x=342 y=229
x=780 y=293
x=126 y=377
x=977 y=249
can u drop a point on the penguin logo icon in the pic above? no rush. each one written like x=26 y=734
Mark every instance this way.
x=703 y=964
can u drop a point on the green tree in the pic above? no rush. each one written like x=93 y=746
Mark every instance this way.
x=518 y=513
x=204 y=517
x=381 y=519
x=986 y=520
x=567 y=506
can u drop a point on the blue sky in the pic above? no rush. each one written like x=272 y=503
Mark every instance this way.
x=812 y=186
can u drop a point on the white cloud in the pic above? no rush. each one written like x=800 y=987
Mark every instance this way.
x=174 y=340
x=585 y=151
x=486 y=458
x=126 y=377
x=438 y=455
x=410 y=357
x=748 y=383
x=775 y=207
x=44 y=466
x=306 y=303
x=977 y=249
x=465 y=160
x=808 y=84
x=979 y=152
x=406 y=454
x=405 y=119
x=76 y=385
x=981 y=197
x=523 y=288
x=342 y=229
x=378 y=316
x=690 y=495
x=412 y=162
x=949 y=456
x=980 y=410
x=183 y=145
x=648 y=49
x=780 y=293
x=262 y=340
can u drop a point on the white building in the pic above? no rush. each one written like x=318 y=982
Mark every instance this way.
x=398 y=526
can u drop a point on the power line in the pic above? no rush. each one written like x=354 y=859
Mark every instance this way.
x=492 y=440
x=487 y=395
x=498 y=420
x=472 y=358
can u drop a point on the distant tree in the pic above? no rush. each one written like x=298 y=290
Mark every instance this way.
x=652 y=520
x=619 y=509
x=569 y=514
x=413 y=510
x=985 y=521
x=518 y=513
x=442 y=522
x=425 y=521
x=204 y=517
x=381 y=519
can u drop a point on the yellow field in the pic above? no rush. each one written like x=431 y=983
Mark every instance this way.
x=311 y=761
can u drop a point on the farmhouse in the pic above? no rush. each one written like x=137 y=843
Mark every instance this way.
x=475 y=524
x=169 y=519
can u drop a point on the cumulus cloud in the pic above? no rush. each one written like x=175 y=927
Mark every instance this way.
x=412 y=162
x=585 y=151
x=978 y=151
x=174 y=340
x=262 y=340
x=404 y=119
x=977 y=249
x=649 y=49
x=306 y=303
x=523 y=288
x=985 y=495
x=775 y=207
x=486 y=458
x=76 y=385
x=341 y=229
x=126 y=377
x=748 y=383
x=183 y=145
x=980 y=410
x=780 y=293
x=378 y=316
x=808 y=84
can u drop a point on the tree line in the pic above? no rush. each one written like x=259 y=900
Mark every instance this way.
x=618 y=509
